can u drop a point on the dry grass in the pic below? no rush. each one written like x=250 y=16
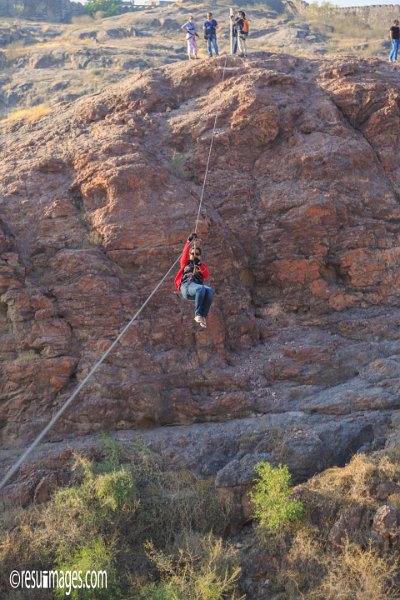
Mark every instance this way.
x=200 y=568
x=314 y=566
x=357 y=574
x=15 y=50
x=29 y=115
x=305 y=563
x=314 y=572
x=28 y=356
x=354 y=482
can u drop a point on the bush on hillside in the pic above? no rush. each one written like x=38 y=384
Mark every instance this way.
x=274 y=508
x=108 y=8
x=105 y=518
x=95 y=556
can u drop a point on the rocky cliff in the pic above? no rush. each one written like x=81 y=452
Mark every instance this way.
x=300 y=225
x=56 y=11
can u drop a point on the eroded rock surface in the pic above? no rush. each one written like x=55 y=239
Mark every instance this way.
x=300 y=224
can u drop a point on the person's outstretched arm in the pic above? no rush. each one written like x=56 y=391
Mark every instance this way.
x=186 y=248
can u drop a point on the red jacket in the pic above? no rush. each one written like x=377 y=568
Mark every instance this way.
x=184 y=261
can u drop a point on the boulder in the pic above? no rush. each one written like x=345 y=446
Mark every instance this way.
x=45 y=61
x=88 y=35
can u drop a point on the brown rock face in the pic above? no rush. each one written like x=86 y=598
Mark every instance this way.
x=300 y=226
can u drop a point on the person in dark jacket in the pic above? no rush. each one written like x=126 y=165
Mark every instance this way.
x=190 y=280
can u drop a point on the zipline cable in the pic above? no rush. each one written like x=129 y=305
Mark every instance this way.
x=209 y=154
x=66 y=404
x=64 y=407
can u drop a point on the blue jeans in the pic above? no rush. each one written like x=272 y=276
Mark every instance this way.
x=202 y=294
x=395 y=48
x=212 y=40
x=234 y=44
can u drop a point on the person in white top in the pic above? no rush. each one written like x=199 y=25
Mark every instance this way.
x=191 y=35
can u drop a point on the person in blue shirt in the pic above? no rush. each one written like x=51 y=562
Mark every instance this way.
x=210 y=34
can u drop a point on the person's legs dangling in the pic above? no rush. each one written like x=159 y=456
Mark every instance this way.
x=199 y=293
x=203 y=297
x=208 y=298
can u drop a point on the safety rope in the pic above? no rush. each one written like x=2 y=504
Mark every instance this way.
x=66 y=404
x=209 y=154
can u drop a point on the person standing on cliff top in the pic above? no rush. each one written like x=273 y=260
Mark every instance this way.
x=242 y=31
x=210 y=34
x=395 y=39
x=190 y=279
x=191 y=35
x=234 y=36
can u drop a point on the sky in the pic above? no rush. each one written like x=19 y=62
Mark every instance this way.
x=363 y=2
x=340 y=2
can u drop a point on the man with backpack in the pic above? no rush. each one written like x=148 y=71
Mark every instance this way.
x=242 y=29
x=210 y=34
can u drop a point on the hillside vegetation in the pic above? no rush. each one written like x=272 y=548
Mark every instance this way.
x=166 y=535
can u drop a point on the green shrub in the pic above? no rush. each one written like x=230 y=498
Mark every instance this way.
x=109 y=8
x=274 y=508
x=98 y=500
x=95 y=556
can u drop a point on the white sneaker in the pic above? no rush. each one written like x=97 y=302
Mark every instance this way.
x=203 y=323
x=198 y=319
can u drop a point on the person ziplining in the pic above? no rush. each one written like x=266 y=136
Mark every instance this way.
x=190 y=279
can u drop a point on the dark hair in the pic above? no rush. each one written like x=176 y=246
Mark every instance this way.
x=242 y=13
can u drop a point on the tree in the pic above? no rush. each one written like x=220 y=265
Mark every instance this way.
x=109 y=8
